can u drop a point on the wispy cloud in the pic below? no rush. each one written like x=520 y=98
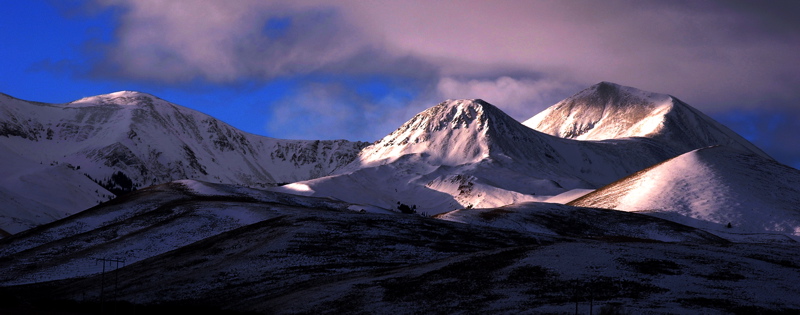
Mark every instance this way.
x=518 y=97
x=325 y=109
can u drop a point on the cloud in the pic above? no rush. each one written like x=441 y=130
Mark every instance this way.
x=709 y=53
x=324 y=109
x=715 y=55
x=226 y=42
x=521 y=98
x=366 y=110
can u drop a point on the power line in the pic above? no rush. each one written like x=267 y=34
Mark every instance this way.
x=103 y=280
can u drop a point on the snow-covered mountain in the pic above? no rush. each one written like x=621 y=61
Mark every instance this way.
x=460 y=153
x=710 y=188
x=610 y=111
x=463 y=153
x=201 y=245
x=63 y=158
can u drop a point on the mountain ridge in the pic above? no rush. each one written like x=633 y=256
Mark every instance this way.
x=462 y=153
x=458 y=153
x=127 y=140
x=200 y=244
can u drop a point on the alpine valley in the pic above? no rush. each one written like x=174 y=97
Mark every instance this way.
x=614 y=201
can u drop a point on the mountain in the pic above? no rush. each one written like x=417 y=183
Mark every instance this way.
x=610 y=111
x=338 y=244
x=463 y=153
x=711 y=188
x=64 y=158
x=457 y=132
x=213 y=248
x=468 y=153
x=460 y=153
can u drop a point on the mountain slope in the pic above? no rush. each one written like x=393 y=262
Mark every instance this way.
x=551 y=218
x=126 y=140
x=176 y=217
x=192 y=245
x=610 y=111
x=710 y=188
x=143 y=224
x=463 y=153
x=38 y=193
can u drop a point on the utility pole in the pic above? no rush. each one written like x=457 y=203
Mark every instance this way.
x=576 y=296
x=116 y=283
x=591 y=296
x=102 y=285
x=103 y=280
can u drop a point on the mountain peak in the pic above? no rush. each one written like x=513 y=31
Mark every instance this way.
x=610 y=94
x=604 y=111
x=453 y=114
x=473 y=114
x=123 y=98
x=453 y=131
x=611 y=111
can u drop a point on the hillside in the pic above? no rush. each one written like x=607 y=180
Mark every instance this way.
x=710 y=188
x=205 y=247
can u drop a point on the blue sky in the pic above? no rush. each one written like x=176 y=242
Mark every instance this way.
x=357 y=70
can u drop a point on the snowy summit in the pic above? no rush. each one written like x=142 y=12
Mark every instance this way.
x=610 y=111
x=121 y=98
x=453 y=132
